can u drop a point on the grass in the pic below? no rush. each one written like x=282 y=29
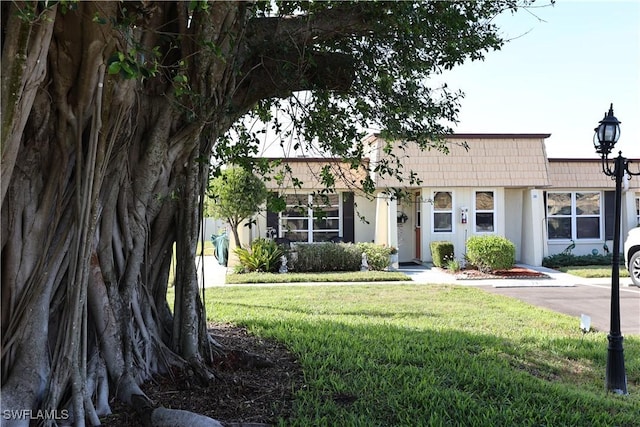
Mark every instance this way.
x=209 y=250
x=412 y=355
x=343 y=276
x=592 y=271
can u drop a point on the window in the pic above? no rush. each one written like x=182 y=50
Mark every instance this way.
x=309 y=218
x=485 y=212
x=574 y=215
x=638 y=211
x=442 y=212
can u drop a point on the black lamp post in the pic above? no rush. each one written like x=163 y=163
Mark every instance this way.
x=604 y=140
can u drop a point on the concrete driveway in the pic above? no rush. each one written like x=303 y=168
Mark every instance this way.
x=593 y=300
x=560 y=292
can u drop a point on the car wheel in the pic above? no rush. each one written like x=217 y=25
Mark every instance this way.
x=634 y=268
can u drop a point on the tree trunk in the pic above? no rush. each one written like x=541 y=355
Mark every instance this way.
x=100 y=176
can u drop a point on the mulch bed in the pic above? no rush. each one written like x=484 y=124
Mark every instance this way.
x=512 y=273
x=255 y=385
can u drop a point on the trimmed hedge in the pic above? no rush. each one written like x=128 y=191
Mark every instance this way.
x=317 y=257
x=489 y=253
x=441 y=252
x=569 y=260
x=321 y=257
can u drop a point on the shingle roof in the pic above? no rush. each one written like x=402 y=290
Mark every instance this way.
x=492 y=160
x=308 y=171
x=582 y=173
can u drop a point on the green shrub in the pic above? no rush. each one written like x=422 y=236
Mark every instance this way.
x=318 y=257
x=377 y=255
x=489 y=253
x=441 y=252
x=453 y=265
x=264 y=255
x=321 y=257
x=569 y=260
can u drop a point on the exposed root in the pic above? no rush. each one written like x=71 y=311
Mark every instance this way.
x=152 y=416
x=163 y=417
x=201 y=374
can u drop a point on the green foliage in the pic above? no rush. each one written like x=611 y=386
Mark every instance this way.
x=441 y=252
x=27 y=13
x=132 y=65
x=235 y=195
x=264 y=255
x=377 y=255
x=453 y=265
x=392 y=52
x=489 y=253
x=319 y=257
x=568 y=260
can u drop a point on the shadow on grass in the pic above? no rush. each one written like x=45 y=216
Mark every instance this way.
x=363 y=371
x=384 y=314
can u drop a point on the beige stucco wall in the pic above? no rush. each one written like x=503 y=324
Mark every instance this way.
x=533 y=242
x=513 y=218
x=505 y=201
x=366 y=208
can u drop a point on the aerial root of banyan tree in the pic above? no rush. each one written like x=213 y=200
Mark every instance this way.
x=99 y=183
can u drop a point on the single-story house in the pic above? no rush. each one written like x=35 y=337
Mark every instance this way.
x=501 y=184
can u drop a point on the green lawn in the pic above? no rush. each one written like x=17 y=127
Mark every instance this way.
x=411 y=355
x=593 y=271
x=340 y=276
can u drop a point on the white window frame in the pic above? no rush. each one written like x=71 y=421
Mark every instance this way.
x=574 y=217
x=434 y=212
x=310 y=218
x=477 y=211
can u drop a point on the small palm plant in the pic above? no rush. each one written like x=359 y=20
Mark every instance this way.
x=453 y=265
x=263 y=255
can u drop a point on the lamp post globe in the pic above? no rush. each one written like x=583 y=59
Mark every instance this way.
x=607 y=133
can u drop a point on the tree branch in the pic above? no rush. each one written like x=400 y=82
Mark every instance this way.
x=280 y=76
x=279 y=57
x=303 y=30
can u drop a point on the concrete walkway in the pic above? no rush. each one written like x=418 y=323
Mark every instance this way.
x=560 y=292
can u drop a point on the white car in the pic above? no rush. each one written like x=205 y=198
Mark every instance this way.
x=632 y=255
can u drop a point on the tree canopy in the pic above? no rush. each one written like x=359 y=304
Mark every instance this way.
x=111 y=112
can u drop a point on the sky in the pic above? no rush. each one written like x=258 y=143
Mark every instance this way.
x=563 y=67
